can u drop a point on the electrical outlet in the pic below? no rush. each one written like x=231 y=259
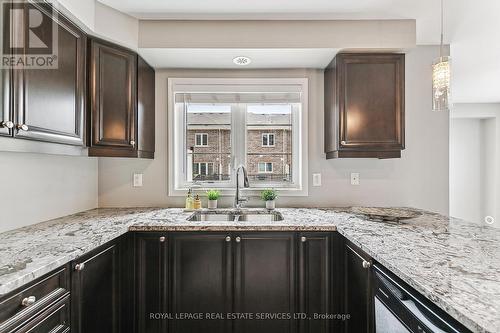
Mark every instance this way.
x=355 y=178
x=316 y=179
x=137 y=179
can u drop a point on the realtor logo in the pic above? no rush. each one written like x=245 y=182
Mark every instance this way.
x=30 y=41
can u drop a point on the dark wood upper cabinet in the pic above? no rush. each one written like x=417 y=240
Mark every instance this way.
x=6 y=110
x=151 y=281
x=145 y=109
x=50 y=102
x=113 y=100
x=364 y=106
x=357 y=298
x=265 y=281
x=95 y=291
x=201 y=281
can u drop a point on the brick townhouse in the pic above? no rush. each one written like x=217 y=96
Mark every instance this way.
x=269 y=146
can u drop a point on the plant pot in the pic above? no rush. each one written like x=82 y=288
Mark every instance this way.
x=212 y=204
x=271 y=204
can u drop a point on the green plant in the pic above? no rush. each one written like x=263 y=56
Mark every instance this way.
x=268 y=195
x=213 y=194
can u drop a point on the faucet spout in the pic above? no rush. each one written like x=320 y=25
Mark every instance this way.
x=238 y=200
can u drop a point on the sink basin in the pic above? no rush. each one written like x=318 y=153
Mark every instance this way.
x=236 y=216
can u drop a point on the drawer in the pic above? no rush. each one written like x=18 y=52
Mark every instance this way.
x=25 y=303
x=55 y=319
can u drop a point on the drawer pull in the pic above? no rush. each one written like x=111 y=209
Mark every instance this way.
x=28 y=301
x=238 y=239
x=303 y=239
x=228 y=239
x=23 y=127
x=366 y=264
x=162 y=239
x=8 y=124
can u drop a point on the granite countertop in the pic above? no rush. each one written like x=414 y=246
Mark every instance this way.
x=454 y=263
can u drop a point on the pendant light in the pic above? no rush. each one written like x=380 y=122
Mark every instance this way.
x=441 y=76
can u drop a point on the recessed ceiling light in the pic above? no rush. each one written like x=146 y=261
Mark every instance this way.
x=242 y=61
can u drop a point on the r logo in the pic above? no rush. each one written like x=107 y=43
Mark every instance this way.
x=32 y=32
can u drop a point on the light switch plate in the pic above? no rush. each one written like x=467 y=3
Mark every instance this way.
x=355 y=178
x=137 y=179
x=316 y=179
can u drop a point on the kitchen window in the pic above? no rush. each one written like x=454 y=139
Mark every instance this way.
x=201 y=139
x=267 y=140
x=258 y=123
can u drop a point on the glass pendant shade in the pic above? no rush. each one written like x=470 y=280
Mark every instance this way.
x=441 y=81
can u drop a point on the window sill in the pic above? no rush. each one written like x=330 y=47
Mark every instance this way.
x=249 y=192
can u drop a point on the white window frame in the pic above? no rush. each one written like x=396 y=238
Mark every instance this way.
x=177 y=169
x=265 y=167
x=196 y=139
x=268 y=135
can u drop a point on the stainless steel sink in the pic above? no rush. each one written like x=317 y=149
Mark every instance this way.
x=236 y=216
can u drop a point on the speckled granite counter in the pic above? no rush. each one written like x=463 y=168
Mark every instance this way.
x=454 y=263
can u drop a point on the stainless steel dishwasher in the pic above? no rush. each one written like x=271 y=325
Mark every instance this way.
x=400 y=309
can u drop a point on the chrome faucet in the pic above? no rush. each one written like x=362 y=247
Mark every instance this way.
x=238 y=200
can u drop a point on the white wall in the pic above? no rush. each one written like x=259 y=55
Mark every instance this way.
x=418 y=179
x=38 y=187
x=465 y=169
x=116 y=26
x=484 y=146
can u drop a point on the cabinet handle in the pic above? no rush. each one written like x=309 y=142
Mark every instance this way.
x=366 y=264
x=228 y=239
x=23 y=127
x=162 y=239
x=28 y=301
x=343 y=143
x=132 y=143
x=303 y=239
x=80 y=267
x=238 y=240
x=9 y=124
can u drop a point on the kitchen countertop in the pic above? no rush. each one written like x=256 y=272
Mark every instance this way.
x=456 y=264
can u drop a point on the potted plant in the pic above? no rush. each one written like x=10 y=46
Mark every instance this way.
x=269 y=196
x=213 y=196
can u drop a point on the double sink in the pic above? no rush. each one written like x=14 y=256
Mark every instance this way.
x=236 y=215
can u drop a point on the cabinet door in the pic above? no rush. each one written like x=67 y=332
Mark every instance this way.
x=151 y=285
x=315 y=281
x=113 y=99
x=6 y=110
x=265 y=282
x=357 y=290
x=201 y=281
x=95 y=292
x=50 y=102
x=145 y=109
x=371 y=101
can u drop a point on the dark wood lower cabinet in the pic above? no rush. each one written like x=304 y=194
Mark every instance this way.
x=358 y=299
x=96 y=293
x=201 y=282
x=315 y=282
x=265 y=282
x=151 y=282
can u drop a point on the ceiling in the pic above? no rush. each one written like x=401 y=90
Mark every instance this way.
x=425 y=11
x=471 y=28
x=223 y=58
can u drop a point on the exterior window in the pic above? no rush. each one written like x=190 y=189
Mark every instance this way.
x=268 y=140
x=201 y=139
x=265 y=167
x=246 y=125
x=202 y=170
